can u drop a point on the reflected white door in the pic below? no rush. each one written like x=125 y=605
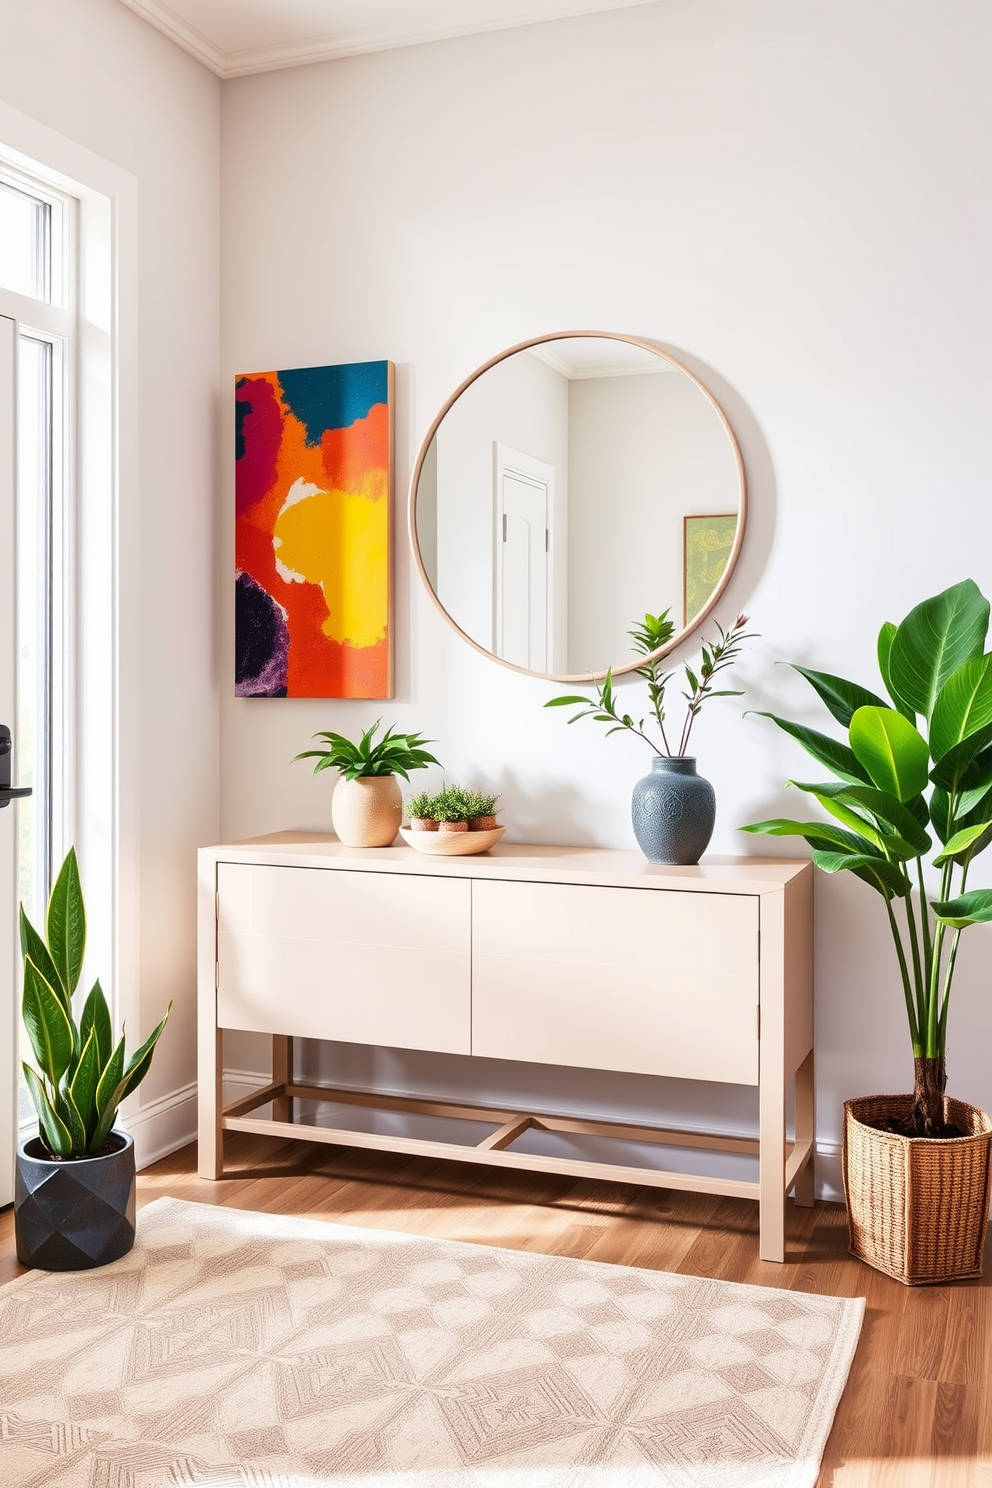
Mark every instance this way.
x=9 y=814
x=523 y=556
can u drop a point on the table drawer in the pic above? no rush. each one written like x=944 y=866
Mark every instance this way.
x=607 y=978
x=369 y=958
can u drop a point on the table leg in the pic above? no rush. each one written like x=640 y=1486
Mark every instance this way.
x=282 y=1071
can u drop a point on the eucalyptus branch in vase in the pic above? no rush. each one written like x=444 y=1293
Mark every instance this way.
x=673 y=809
x=649 y=637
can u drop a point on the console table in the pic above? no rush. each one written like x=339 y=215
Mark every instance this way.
x=555 y=955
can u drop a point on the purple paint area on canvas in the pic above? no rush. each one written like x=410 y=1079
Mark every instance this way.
x=261 y=642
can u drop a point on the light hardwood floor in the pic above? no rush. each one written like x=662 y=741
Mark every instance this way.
x=917 y=1412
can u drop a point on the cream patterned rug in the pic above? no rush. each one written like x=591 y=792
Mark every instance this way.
x=242 y=1350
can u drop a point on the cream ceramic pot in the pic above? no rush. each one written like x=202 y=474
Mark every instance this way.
x=367 y=811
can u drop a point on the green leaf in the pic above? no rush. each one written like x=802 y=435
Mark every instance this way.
x=877 y=872
x=963 y=706
x=48 y=1027
x=841 y=697
x=817 y=834
x=32 y=945
x=96 y=1016
x=961 y=843
x=66 y=1110
x=865 y=830
x=882 y=806
x=825 y=750
x=965 y=762
x=84 y=1082
x=973 y=908
x=969 y=800
x=138 y=1064
x=569 y=700
x=65 y=926
x=936 y=638
x=54 y=1132
x=944 y=822
x=893 y=752
x=885 y=638
x=109 y=1080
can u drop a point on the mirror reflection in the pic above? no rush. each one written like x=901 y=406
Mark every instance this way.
x=572 y=486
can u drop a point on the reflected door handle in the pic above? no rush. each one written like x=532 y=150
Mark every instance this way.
x=8 y=792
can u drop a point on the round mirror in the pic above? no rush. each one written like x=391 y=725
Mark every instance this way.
x=569 y=487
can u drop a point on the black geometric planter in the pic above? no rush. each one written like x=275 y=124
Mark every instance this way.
x=71 y=1216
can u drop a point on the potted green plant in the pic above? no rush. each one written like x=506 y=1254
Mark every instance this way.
x=452 y=808
x=673 y=809
x=75 y=1185
x=367 y=806
x=913 y=785
x=480 y=807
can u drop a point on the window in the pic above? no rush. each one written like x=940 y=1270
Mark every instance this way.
x=35 y=246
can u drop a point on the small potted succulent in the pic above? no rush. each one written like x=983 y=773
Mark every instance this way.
x=75 y=1186
x=452 y=809
x=453 y=819
x=673 y=809
x=367 y=806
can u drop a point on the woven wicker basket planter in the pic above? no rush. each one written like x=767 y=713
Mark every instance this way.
x=917 y=1207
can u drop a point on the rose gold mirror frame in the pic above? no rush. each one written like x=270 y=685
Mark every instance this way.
x=714 y=598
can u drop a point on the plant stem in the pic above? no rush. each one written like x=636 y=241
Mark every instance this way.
x=904 y=969
x=942 y=1024
x=918 y=982
x=925 y=922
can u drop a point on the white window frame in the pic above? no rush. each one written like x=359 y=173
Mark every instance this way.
x=100 y=724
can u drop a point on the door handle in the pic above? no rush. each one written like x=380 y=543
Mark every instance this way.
x=8 y=792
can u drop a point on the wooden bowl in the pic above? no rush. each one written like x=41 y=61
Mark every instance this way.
x=451 y=844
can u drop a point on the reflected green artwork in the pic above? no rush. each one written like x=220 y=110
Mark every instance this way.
x=707 y=544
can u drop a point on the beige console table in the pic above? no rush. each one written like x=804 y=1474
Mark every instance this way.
x=554 y=955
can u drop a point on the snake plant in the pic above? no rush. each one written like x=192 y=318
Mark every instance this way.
x=83 y=1074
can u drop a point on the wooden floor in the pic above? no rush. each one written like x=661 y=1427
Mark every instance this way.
x=917 y=1412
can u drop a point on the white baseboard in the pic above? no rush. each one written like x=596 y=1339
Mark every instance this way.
x=165 y=1125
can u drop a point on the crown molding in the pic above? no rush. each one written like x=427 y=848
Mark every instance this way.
x=181 y=32
x=332 y=46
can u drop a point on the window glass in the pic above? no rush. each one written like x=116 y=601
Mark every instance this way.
x=35 y=514
x=25 y=243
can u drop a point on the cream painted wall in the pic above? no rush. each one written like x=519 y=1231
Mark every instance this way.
x=794 y=198
x=94 y=72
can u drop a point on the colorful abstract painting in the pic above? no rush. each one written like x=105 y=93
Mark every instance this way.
x=707 y=545
x=312 y=550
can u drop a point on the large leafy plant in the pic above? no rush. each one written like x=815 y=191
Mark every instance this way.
x=916 y=769
x=649 y=635
x=83 y=1074
x=392 y=754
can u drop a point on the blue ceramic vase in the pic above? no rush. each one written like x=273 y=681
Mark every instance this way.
x=673 y=811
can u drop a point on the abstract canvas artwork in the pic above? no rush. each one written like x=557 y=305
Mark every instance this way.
x=707 y=545
x=312 y=550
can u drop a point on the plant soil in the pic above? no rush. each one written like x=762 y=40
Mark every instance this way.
x=926 y=1114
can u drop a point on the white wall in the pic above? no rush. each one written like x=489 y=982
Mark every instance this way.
x=94 y=72
x=795 y=199
x=645 y=451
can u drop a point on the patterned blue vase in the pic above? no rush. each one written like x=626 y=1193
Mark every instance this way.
x=673 y=810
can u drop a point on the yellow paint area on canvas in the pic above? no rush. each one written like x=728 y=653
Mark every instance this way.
x=340 y=540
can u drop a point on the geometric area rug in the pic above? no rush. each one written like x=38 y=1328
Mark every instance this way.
x=242 y=1350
